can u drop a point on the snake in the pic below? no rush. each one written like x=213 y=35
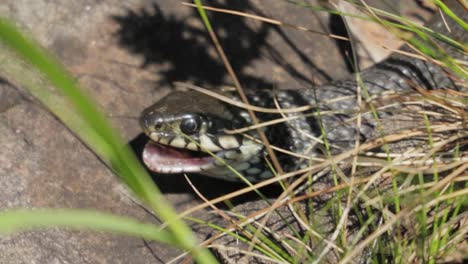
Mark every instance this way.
x=191 y=131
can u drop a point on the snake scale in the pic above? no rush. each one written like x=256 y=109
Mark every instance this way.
x=188 y=128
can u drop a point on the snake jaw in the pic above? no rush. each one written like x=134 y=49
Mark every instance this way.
x=169 y=156
x=164 y=159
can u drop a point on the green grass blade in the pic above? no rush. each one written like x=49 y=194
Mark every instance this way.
x=110 y=144
x=98 y=133
x=203 y=15
x=24 y=219
x=451 y=14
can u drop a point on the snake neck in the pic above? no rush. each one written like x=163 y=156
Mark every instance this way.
x=331 y=126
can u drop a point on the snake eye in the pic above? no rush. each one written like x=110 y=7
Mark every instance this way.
x=158 y=125
x=190 y=125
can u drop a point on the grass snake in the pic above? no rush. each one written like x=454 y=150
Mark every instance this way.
x=187 y=128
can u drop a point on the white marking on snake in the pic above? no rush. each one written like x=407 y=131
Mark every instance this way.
x=164 y=140
x=231 y=154
x=254 y=170
x=254 y=160
x=250 y=149
x=154 y=137
x=178 y=142
x=219 y=162
x=192 y=146
x=243 y=166
x=266 y=174
x=208 y=144
x=228 y=142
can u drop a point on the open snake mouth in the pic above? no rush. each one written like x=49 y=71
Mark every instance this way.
x=166 y=159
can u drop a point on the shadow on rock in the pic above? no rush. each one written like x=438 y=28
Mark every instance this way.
x=182 y=50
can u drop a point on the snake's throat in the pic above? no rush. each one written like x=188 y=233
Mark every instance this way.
x=164 y=159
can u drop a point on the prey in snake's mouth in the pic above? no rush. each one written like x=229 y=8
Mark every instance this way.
x=187 y=132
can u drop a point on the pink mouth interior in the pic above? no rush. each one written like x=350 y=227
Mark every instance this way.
x=161 y=158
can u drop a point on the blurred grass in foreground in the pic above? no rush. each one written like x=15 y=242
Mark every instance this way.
x=76 y=110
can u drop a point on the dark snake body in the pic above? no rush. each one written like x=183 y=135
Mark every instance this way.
x=399 y=74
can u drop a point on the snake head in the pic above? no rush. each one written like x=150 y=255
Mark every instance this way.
x=187 y=132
